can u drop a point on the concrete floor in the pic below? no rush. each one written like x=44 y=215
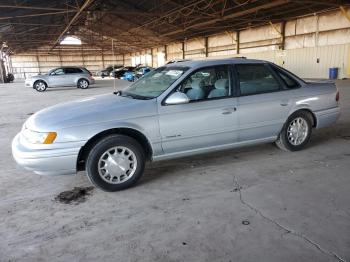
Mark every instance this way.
x=297 y=204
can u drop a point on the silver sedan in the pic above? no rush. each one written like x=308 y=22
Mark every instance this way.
x=62 y=76
x=177 y=110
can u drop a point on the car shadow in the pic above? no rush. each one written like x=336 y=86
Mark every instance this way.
x=65 y=88
x=173 y=167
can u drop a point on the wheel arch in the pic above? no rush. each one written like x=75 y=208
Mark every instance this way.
x=42 y=80
x=137 y=135
x=80 y=78
x=309 y=111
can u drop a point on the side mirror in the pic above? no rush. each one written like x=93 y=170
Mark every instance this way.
x=177 y=98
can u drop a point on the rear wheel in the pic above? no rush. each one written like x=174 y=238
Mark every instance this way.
x=115 y=163
x=83 y=83
x=296 y=132
x=40 y=86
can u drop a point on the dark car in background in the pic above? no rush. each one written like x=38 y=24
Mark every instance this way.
x=107 y=71
x=137 y=73
x=119 y=72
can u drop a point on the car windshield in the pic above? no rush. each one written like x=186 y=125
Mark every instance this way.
x=155 y=82
x=50 y=71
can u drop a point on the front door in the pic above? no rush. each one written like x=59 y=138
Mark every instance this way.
x=58 y=78
x=209 y=120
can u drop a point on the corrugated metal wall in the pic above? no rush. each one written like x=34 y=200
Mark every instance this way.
x=310 y=47
x=40 y=62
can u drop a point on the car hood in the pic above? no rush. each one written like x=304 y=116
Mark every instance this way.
x=96 y=109
x=38 y=76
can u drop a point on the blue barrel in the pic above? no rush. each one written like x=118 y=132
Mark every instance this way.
x=333 y=73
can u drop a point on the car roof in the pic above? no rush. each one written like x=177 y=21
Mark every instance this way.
x=211 y=62
x=80 y=67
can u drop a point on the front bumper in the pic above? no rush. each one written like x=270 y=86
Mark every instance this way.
x=28 y=83
x=61 y=161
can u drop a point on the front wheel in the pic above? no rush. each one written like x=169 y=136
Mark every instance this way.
x=296 y=132
x=115 y=163
x=83 y=83
x=40 y=86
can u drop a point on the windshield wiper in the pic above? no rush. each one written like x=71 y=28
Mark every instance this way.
x=120 y=93
x=133 y=96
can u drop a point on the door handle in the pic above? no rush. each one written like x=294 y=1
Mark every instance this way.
x=284 y=102
x=230 y=110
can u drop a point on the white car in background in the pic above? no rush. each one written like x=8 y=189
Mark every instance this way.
x=61 y=76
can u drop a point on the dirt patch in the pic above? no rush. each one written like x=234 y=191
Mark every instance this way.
x=75 y=196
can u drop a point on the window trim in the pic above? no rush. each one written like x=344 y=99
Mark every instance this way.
x=273 y=73
x=232 y=85
x=54 y=74
x=278 y=70
x=73 y=68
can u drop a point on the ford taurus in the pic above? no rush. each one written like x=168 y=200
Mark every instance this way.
x=177 y=110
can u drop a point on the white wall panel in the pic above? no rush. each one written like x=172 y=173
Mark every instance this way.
x=303 y=62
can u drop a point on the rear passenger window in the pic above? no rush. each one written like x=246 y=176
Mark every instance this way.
x=256 y=79
x=72 y=70
x=207 y=83
x=287 y=80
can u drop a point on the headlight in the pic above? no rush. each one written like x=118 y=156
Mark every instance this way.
x=39 y=137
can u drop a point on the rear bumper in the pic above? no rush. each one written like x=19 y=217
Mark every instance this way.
x=327 y=117
x=45 y=161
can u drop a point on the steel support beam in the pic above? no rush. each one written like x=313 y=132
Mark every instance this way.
x=33 y=7
x=74 y=19
x=39 y=14
x=344 y=12
x=230 y=16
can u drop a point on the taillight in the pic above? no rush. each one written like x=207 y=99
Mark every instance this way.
x=337 y=96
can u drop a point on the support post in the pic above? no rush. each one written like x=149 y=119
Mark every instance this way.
x=165 y=53
x=59 y=56
x=183 y=49
x=152 y=64
x=82 y=55
x=103 y=58
x=206 y=46
x=38 y=61
x=237 y=42
x=283 y=35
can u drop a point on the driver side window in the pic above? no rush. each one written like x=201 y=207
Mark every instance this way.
x=207 y=83
x=58 y=71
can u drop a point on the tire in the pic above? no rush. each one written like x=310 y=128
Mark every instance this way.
x=288 y=140
x=40 y=86
x=83 y=83
x=107 y=162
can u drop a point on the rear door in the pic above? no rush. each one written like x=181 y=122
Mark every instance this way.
x=72 y=75
x=263 y=102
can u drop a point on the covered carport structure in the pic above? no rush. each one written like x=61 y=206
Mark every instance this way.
x=249 y=204
x=152 y=32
